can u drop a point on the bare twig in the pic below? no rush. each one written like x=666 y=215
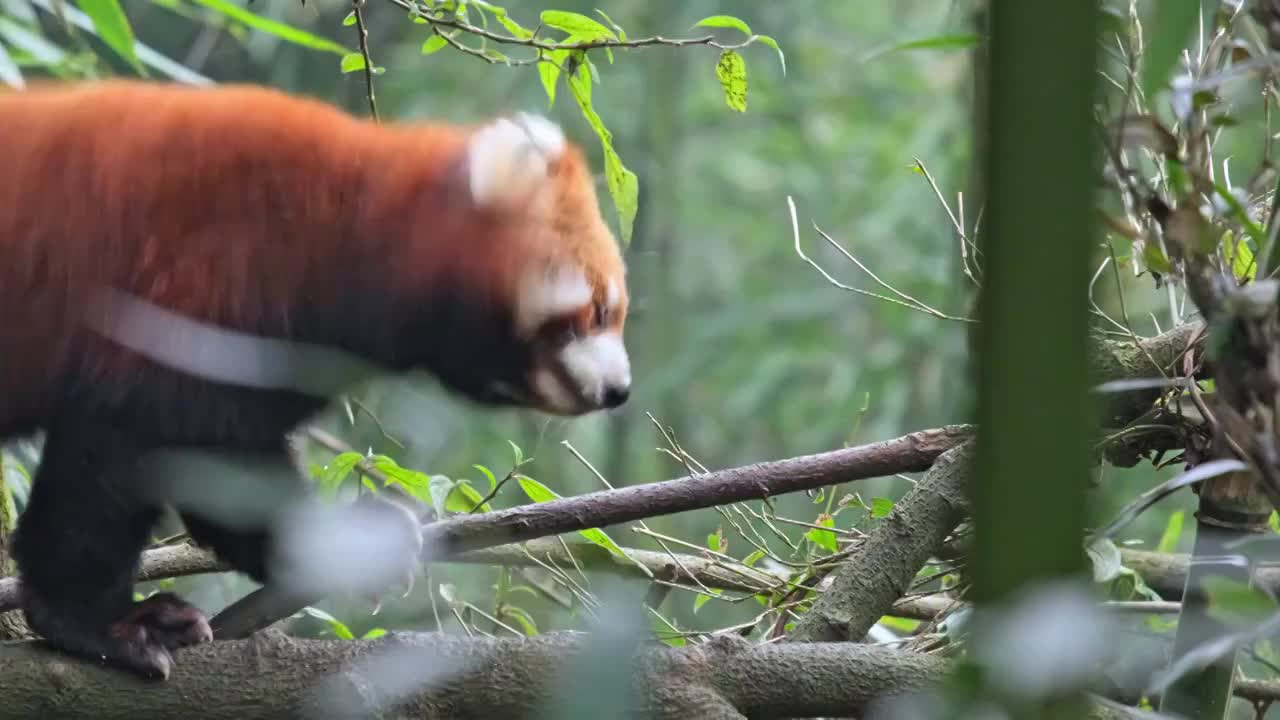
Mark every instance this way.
x=907 y=301
x=357 y=7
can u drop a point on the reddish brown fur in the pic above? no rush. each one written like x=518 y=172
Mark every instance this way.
x=184 y=218
x=258 y=212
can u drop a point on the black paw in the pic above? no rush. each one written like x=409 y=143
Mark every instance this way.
x=146 y=636
x=169 y=621
x=142 y=640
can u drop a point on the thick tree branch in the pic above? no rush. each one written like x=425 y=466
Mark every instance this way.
x=272 y=675
x=880 y=570
x=1167 y=573
x=446 y=539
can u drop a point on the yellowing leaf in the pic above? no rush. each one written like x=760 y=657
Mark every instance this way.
x=731 y=70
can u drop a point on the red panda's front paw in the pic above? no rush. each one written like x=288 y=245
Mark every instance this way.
x=143 y=640
x=169 y=621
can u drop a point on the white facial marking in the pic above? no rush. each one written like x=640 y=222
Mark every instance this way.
x=507 y=159
x=597 y=363
x=552 y=392
x=612 y=294
x=549 y=294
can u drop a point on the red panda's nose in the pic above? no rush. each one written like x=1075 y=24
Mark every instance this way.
x=616 y=395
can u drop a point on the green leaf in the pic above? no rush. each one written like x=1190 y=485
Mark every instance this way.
x=338 y=469
x=1241 y=215
x=493 y=480
x=580 y=81
x=1172 y=531
x=580 y=27
x=538 y=492
x=622 y=34
x=1155 y=258
x=439 y=488
x=350 y=19
x=715 y=540
x=433 y=44
x=824 y=539
x=1104 y=556
x=518 y=453
x=881 y=507
x=782 y=58
x=520 y=616
x=272 y=27
x=731 y=70
x=549 y=71
x=513 y=27
x=1239 y=256
x=701 y=599
x=902 y=625
x=1166 y=34
x=624 y=188
x=1274 y=522
x=753 y=558
x=463 y=498
x=112 y=25
x=373 y=634
x=723 y=21
x=338 y=627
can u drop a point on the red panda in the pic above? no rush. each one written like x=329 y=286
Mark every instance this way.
x=476 y=253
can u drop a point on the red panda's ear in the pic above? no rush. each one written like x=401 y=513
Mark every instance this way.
x=507 y=159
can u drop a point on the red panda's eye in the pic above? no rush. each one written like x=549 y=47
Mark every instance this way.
x=559 y=332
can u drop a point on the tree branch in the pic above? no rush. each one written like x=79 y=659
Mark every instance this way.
x=272 y=675
x=446 y=539
x=429 y=675
x=881 y=568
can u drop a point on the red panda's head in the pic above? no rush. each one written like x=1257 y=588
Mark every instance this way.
x=561 y=274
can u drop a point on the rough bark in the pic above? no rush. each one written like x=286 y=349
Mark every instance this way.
x=13 y=626
x=1112 y=359
x=882 y=567
x=271 y=675
x=1167 y=573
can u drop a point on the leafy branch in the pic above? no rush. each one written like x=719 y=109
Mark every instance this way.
x=568 y=56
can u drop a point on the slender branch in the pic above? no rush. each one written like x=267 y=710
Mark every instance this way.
x=532 y=42
x=442 y=540
x=357 y=7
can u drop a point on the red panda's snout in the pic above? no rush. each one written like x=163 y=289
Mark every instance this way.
x=578 y=360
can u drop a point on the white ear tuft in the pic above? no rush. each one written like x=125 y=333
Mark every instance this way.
x=507 y=159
